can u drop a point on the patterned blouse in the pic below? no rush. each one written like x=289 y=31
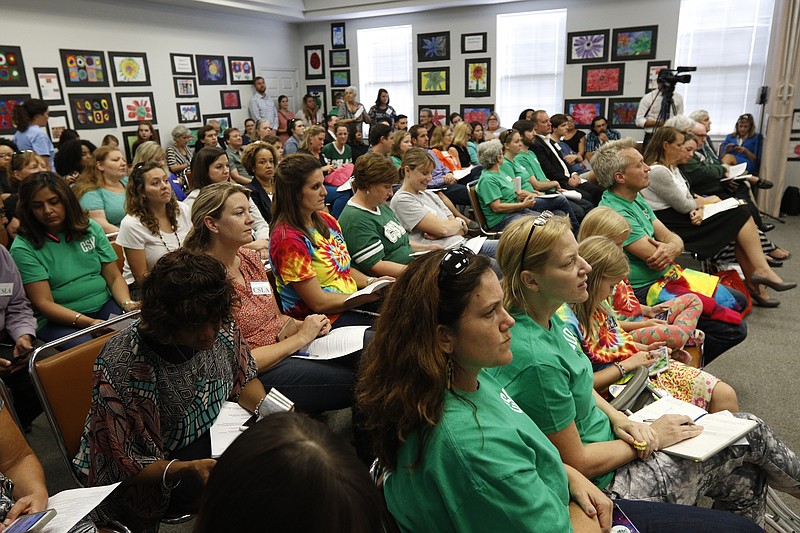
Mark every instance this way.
x=144 y=408
x=257 y=314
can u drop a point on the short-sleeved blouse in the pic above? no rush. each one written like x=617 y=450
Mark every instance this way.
x=257 y=314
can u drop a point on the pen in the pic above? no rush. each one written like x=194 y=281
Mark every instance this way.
x=306 y=354
x=651 y=420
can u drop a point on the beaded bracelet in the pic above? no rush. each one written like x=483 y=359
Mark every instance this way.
x=620 y=368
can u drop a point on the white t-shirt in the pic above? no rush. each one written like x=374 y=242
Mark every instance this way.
x=411 y=208
x=133 y=235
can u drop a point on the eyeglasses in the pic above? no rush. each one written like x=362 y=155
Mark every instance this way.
x=454 y=262
x=539 y=221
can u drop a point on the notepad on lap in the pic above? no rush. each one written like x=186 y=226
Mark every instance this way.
x=369 y=289
x=720 y=430
x=709 y=210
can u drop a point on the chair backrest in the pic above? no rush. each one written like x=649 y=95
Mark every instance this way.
x=120 y=255
x=476 y=208
x=5 y=395
x=63 y=383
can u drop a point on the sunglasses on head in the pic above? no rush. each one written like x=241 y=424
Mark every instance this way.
x=539 y=221
x=454 y=262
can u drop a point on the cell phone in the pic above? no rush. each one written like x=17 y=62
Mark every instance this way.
x=31 y=522
x=662 y=362
x=620 y=523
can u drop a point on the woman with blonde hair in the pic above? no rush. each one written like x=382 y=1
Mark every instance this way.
x=152 y=152
x=613 y=351
x=401 y=142
x=101 y=188
x=440 y=142
x=156 y=222
x=458 y=148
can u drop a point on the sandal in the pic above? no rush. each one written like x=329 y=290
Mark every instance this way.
x=764 y=184
x=783 y=254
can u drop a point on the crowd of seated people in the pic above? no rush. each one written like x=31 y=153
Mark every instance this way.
x=246 y=248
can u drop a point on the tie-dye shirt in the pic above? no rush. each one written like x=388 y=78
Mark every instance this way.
x=295 y=258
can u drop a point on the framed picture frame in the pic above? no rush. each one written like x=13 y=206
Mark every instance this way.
x=478 y=77
x=473 y=43
x=12 y=67
x=136 y=107
x=129 y=69
x=433 y=46
x=476 y=113
x=128 y=138
x=440 y=114
x=188 y=112
x=339 y=58
x=629 y=44
x=340 y=78
x=584 y=110
x=433 y=80
x=224 y=120
x=622 y=112
x=92 y=111
x=230 y=99
x=338 y=39
x=185 y=87
x=7 y=104
x=796 y=121
x=211 y=70
x=793 y=151
x=315 y=61
x=587 y=47
x=57 y=122
x=603 y=80
x=242 y=69
x=653 y=69
x=182 y=64
x=318 y=92
x=336 y=95
x=84 y=68
x=48 y=83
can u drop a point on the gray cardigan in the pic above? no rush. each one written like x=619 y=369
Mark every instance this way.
x=667 y=190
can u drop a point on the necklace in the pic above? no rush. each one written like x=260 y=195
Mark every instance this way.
x=183 y=355
x=161 y=236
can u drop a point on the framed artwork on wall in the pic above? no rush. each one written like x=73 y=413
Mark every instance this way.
x=433 y=81
x=337 y=35
x=794 y=150
x=653 y=69
x=318 y=92
x=622 y=112
x=84 y=68
x=634 y=43
x=129 y=138
x=315 y=62
x=473 y=43
x=603 y=80
x=185 y=87
x=340 y=78
x=796 y=121
x=242 y=70
x=57 y=122
x=587 y=46
x=49 y=84
x=433 y=46
x=478 y=82
x=224 y=120
x=584 y=110
x=92 y=111
x=211 y=70
x=440 y=114
x=129 y=69
x=339 y=58
x=136 y=107
x=12 y=67
x=7 y=104
x=188 y=112
x=476 y=113
x=230 y=99
x=182 y=64
x=337 y=97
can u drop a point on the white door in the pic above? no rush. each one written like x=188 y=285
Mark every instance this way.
x=282 y=81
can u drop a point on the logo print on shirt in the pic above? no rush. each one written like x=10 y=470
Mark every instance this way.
x=393 y=231
x=510 y=401
x=569 y=337
x=88 y=244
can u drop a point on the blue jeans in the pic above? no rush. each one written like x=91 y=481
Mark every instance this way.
x=52 y=331
x=313 y=386
x=337 y=199
x=669 y=518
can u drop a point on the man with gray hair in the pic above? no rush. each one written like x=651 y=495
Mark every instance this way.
x=426 y=120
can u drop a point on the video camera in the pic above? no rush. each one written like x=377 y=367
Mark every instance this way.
x=669 y=77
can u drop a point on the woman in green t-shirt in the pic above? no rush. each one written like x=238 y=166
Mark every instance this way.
x=552 y=381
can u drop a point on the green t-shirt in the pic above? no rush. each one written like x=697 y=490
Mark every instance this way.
x=333 y=156
x=113 y=203
x=640 y=218
x=531 y=163
x=552 y=380
x=397 y=161
x=373 y=237
x=72 y=268
x=495 y=186
x=513 y=169
x=485 y=467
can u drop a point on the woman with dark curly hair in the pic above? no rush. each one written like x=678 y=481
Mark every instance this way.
x=159 y=385
x=156 y=222
x=260 y=159
x=69 y=160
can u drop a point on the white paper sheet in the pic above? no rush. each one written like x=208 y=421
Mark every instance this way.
x=463 y=173
x=346 y=186
x=709 y=210
x=475 y=243
x=226 y=427
x=736 y=170
x=572 y=195
x=337 y=343
x=72 y=505
x=369 y=289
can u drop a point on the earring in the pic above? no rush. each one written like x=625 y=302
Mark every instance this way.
x=366 y=192
x=449 y=373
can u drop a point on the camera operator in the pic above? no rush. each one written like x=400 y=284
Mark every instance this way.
x=652 y=109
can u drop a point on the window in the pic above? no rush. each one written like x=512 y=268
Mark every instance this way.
x=530 y=62
x=385 y=60
x=727 y=42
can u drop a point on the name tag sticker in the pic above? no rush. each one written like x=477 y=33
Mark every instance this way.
x=261 y=287
x=6 y=289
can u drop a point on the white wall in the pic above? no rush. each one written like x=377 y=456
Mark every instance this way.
x=41 y=27
x=581 y=16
